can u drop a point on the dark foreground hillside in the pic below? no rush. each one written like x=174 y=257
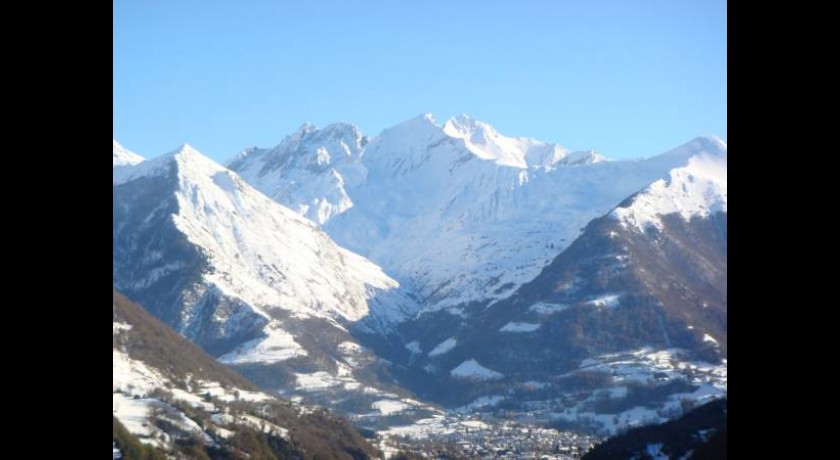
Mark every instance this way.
x=222 y=427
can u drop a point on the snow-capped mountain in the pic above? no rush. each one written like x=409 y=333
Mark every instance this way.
x=695 y=190
x=636 y=305
x=484 y=213
x=124 y=162
x=125 y=157
x=483 y=141
x=511 y=269
x=246 y=278
x=309 y=171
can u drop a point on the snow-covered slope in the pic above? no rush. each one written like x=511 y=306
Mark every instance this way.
x=309 y=171
x=124 y=157
x=484 y=213
x=124 y=162
x=154 y=370
x=483 y=141
x=241 y=263
x=695 y=190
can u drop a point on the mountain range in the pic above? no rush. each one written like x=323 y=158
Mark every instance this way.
x=440 y=265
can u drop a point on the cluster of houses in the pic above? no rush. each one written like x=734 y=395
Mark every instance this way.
x=492 y=439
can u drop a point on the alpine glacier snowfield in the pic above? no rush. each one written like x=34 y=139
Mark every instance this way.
x=484 y=212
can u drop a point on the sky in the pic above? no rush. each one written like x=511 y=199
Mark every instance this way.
x=628 y=79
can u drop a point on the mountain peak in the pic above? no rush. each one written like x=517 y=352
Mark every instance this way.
x=420 y=130
x=185 y=149
x=706 y=143
x=485 y=142
x=125 y=157
x=422 y=121
x=309 y=138
x=711 y=145
x=191 y=162
x=695 y=189
x=348 y=133
x=303 y=130
x=463 y=119
x=428 y=116
x=463 y=126
x=712 y=142
x=341 y=127
x=186 y=160
x=306 y=127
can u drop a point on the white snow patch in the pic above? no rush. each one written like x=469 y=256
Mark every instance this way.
x=278 y=346
x=471 y=369
x=607 y=300
x=708 y=338
x=192 y=399
x=414 y=347
x=350 y=348
x=520 y=327
x=215 y=390
x=535 y=385
x=224 y=433
x=475 y=424
x=321 y=380
x=262 y=425
x=120 y=327
x=316 y=381
x=444 y=347
x=388 y=406
x=544 y=308
x=134 y=415
x=134 y=377
x=352 y=386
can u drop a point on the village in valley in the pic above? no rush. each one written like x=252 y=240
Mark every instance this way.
x=482 y=436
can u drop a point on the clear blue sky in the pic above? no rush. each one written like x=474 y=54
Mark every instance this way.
x=626 y=78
